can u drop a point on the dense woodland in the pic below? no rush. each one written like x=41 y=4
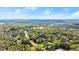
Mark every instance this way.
x=30 y=37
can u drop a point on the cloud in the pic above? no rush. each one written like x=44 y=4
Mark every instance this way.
x=18 y=14
x=13 y=15
x=47 y=11
x=46 y=14
x=74 y=15
x=17 y=11
x=53 y=16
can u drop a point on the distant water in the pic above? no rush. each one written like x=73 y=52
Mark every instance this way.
x=38 y=21
x=34 y=21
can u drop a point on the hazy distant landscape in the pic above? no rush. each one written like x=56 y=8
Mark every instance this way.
x=41 y=20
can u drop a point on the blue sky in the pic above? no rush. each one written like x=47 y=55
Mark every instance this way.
x=39 y=13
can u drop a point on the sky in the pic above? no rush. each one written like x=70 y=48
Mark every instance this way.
x=39 y=13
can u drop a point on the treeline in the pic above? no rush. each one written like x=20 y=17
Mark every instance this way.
x=24 y=37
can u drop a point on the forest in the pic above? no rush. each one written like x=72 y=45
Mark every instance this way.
x=40 y=37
